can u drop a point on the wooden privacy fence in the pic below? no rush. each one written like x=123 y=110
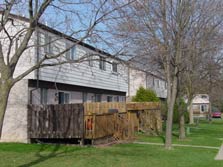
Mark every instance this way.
x=145 y=117
x=92 y=120
x=56 y=121
x=107 y=124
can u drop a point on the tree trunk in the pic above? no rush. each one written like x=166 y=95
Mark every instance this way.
x=172 y=92
x=169 y=124
x=191 y=114
x=182 y=134
x=4 y=94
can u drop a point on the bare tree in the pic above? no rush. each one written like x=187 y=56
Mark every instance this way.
x=81 y=19
x=161 y=30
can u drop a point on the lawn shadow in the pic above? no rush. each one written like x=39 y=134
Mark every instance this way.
x=163 y=138
x=47 y=152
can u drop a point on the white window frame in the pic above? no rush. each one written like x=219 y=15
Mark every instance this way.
x=102 y=63
x=71 y=53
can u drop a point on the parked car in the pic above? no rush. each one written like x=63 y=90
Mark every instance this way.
x=216 y=114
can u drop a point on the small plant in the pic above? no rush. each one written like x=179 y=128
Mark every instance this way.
x=145 y=95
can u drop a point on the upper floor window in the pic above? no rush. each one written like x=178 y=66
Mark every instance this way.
x=115 y=67
x=102 y=63
x=158 y=83
x=204 y=97
x=47 y=43
x=71 y=53
x=90 y=61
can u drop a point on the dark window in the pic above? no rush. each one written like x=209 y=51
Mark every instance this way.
x=97 y=98
x=102 y=62
x=153 y=81
x=84 y=97
x=43 y=96
x=109 y=98
x=114 y=67
x=64 y=98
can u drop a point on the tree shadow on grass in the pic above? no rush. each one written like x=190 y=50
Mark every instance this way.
x=47 y=152
x=163 y=138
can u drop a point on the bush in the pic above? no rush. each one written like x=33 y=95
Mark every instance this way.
x=145 y=95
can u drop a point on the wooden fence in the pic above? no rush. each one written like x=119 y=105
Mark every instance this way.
x=56 y=121
x=92 y=120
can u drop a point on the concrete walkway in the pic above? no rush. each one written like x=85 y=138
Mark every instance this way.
x=181 y=145
x=220 y=154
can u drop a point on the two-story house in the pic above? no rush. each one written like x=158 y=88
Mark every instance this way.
x=138 y=77
x=101 y=78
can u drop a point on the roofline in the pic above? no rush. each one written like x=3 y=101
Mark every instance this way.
x=54 y=31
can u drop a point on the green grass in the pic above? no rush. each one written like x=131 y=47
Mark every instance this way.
x=205 y=134
x=122 y=155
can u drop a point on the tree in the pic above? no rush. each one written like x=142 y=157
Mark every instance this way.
x=161 y=31
x=37 y=11
x=145 y=95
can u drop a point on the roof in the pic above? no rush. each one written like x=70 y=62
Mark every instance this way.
x=198 y=99
x=54 y=31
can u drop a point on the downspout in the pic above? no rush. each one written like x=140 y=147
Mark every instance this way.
x=37 y=70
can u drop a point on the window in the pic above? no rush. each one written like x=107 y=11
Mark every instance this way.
x=84 y=97
x=43 y=96
x=47 y=43
x=116 y=98
x=97 y=98
x=102 y=63
x=122 y=99
x=71 y=53
x=90 y=61
x=153 y=81
x=204 y=97
x=158 y=83
x=109 y=98
x=204 y=108
x=64 y=98
x=114 y=67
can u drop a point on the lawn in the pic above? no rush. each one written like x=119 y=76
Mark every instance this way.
x=122 y=155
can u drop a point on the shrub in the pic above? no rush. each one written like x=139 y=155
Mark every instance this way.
x=145 y=95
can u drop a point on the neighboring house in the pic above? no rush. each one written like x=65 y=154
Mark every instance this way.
x=138 y=77
x=102 y=78
x=201 y=105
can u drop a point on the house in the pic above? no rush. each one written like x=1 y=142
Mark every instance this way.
x=139 y=77
x=101 y=78
x=201 y=105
